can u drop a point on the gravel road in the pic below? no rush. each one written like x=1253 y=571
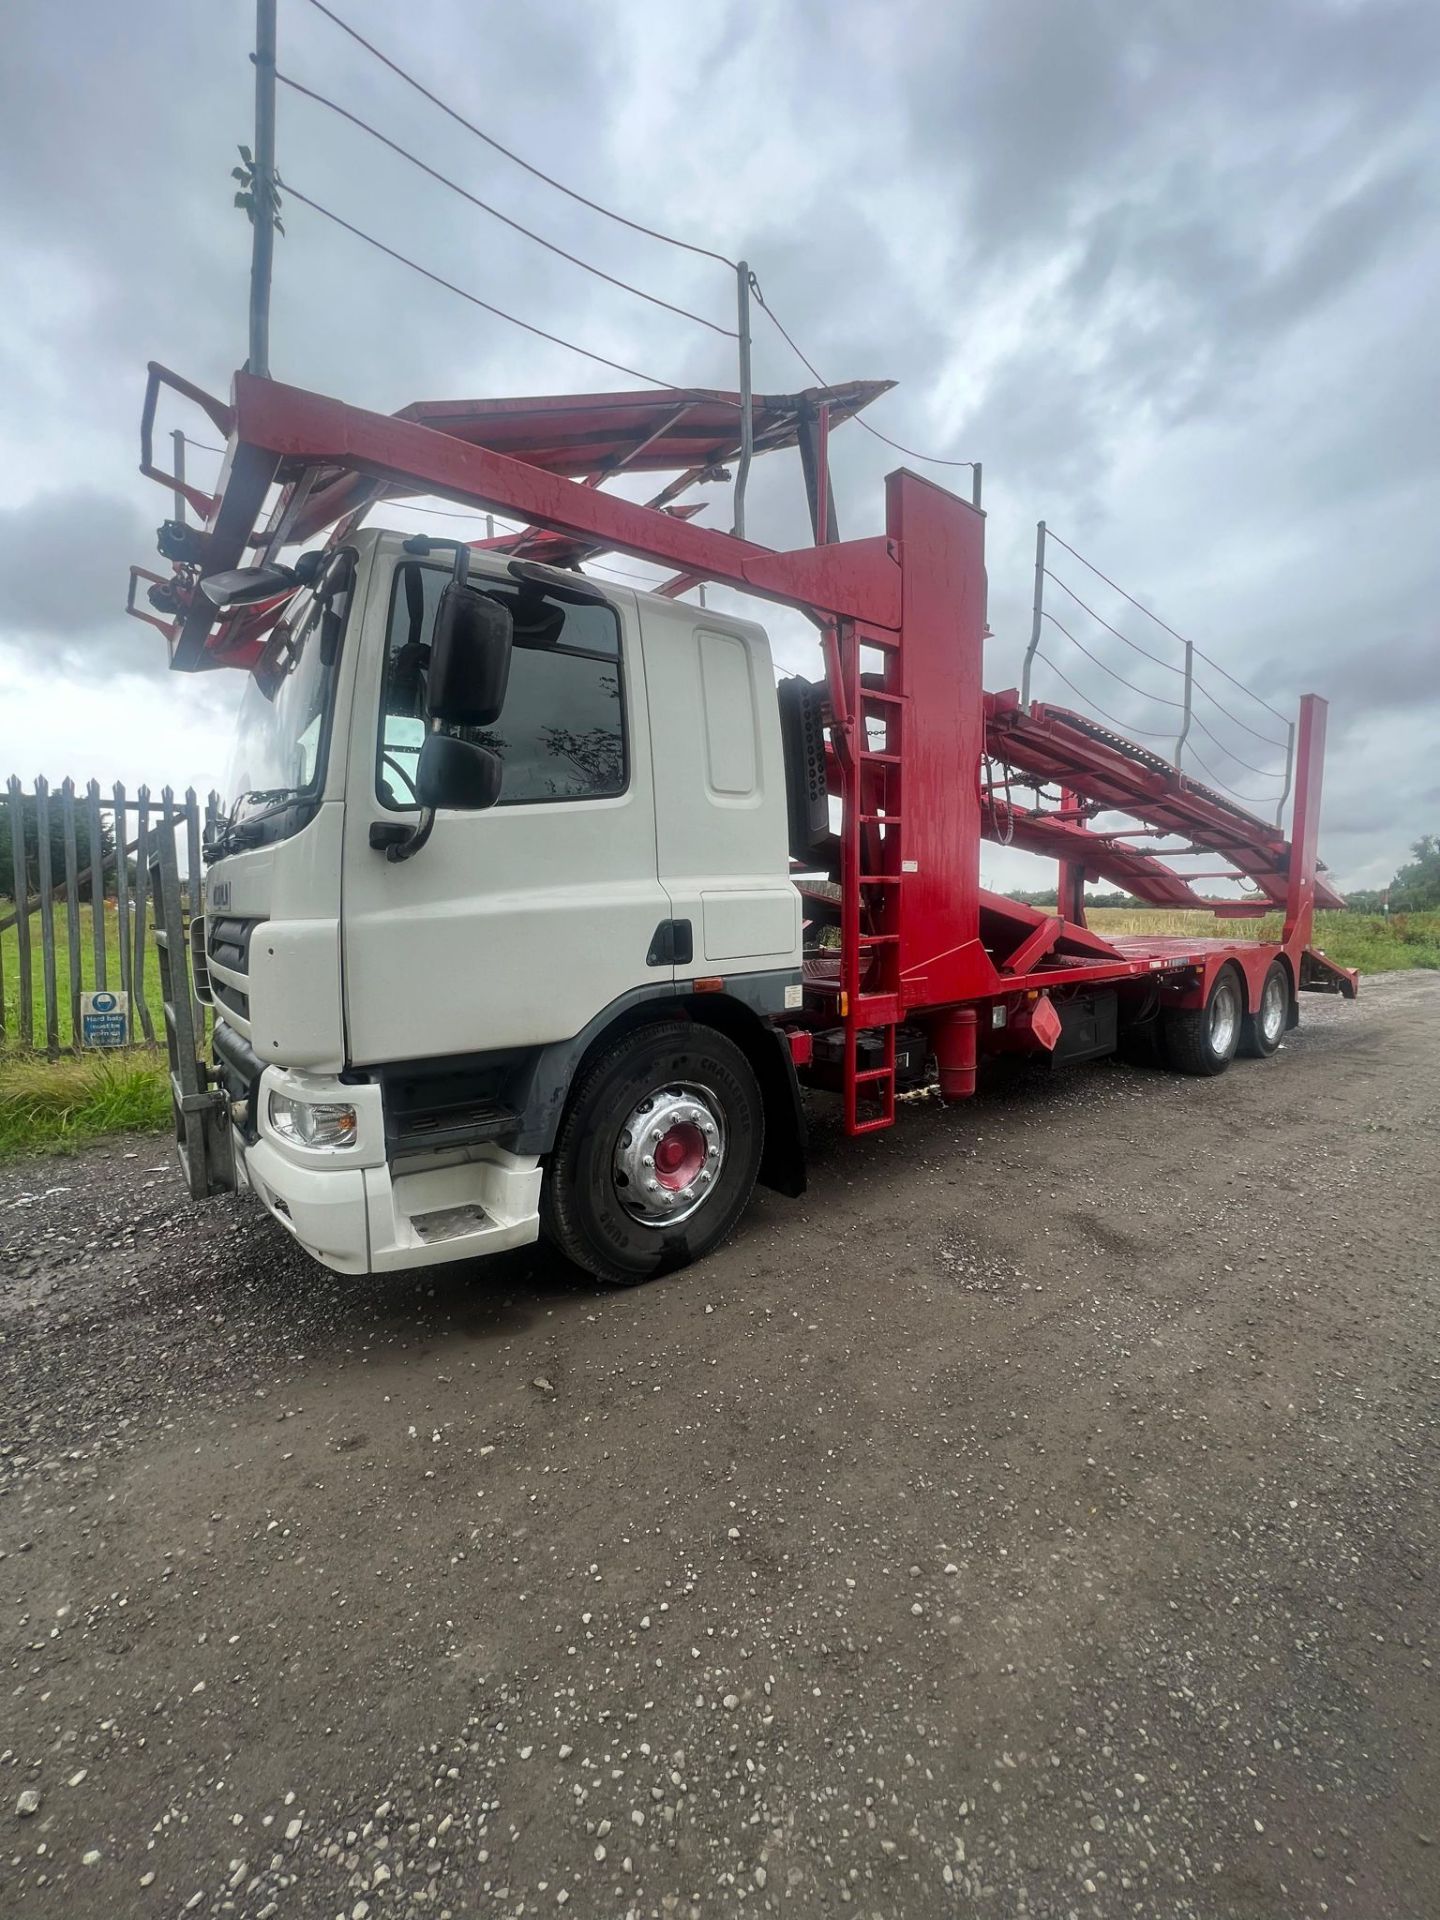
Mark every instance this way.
x=1038 y=1518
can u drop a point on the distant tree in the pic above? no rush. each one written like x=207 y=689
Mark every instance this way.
x=1416 y=887
x=57 y=847
x=1048 y=896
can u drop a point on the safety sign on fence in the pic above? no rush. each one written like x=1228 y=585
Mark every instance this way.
x=105 y=1019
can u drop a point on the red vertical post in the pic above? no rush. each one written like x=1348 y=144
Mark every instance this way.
x=1305 y=821
x=942 y=543
x=1071 y=890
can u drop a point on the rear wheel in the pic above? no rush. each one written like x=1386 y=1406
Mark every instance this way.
x=657 y=1154
x=1263 y=1030
x=1203 y=1040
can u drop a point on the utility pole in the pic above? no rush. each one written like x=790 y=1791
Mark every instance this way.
x=262 y=234
x=747 y=414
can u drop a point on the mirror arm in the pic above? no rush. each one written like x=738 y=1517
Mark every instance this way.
x=402 y=843
x=415 y=837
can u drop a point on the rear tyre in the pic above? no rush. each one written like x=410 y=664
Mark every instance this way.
x=1203 y=1040
x=1262 y=1031
x=657 y=1155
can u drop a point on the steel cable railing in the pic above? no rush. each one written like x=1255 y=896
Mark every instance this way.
x=1191 y=684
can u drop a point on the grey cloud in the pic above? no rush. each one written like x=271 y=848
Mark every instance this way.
x=64 y=560
x=1170 y=272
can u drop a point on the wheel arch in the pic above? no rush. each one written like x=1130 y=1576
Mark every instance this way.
x=782 y=1162
x=558 y=1068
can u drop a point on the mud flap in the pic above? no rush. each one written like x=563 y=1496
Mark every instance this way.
x=201 y=1114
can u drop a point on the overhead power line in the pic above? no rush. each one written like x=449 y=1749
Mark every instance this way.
x=929 y=459
x=528 y=326
x=587 y=266
x=635 y=226
x=595 y=206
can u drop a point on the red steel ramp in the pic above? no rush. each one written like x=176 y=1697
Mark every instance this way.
x=1106 y=773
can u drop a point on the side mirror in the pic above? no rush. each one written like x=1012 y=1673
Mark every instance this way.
x=246 y=586
x=469 y=659
x=457 y=773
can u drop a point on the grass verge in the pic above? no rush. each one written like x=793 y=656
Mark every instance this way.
x=1373 y=942
x=51 y=1106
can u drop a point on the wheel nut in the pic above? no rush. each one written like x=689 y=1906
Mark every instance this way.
x=653 y=1186
x=647 y=1159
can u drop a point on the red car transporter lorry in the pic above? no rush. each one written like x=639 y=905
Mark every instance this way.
x=538 y=902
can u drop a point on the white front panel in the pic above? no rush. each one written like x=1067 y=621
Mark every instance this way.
x=513 y=927
x=720 y=787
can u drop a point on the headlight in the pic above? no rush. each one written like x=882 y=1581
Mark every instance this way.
x=323 y=1124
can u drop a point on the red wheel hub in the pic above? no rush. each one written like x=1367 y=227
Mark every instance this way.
x=679 y=1156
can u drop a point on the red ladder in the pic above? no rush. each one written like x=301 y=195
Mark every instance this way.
x=871 y=759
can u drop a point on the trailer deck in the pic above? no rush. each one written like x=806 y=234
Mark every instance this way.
x=907 y=723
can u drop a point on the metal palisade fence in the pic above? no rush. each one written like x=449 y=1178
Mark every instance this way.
x=75 y=927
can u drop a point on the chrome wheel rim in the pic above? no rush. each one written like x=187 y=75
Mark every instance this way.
x=1272 y=1010
x=1224 y=1020
x=669 y=1154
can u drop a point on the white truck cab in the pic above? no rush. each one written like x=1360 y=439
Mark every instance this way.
x=440 y=1027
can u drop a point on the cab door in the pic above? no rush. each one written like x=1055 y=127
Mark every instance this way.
x=720 y=791
x=516 y=926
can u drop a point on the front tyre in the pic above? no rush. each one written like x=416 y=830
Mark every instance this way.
x=657 y=1155
x=1203 y=1040
x=1263 y=1030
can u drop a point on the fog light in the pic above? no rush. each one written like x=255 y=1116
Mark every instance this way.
x=323 y=1124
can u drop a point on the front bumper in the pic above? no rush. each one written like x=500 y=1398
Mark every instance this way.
x=356 y=1213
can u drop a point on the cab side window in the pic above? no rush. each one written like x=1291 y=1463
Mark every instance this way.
x=562 y=734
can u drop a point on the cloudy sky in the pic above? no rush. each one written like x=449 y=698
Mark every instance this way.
x=1172 y=272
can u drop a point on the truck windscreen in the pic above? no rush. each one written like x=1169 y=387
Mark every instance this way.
x=279 y=739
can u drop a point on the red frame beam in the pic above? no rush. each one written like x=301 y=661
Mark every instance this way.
x=856 y=579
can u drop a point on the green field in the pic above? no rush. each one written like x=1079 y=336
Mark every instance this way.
x=10 y=972
x=1370 y=941
x=52 y=1105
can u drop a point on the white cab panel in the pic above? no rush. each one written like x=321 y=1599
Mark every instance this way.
x=513 y=927
x=292 y=887
x=720 y=786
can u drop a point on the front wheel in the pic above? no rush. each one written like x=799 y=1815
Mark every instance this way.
x=1203 y=1040
x=657 y=1155
x=1264 y=1029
